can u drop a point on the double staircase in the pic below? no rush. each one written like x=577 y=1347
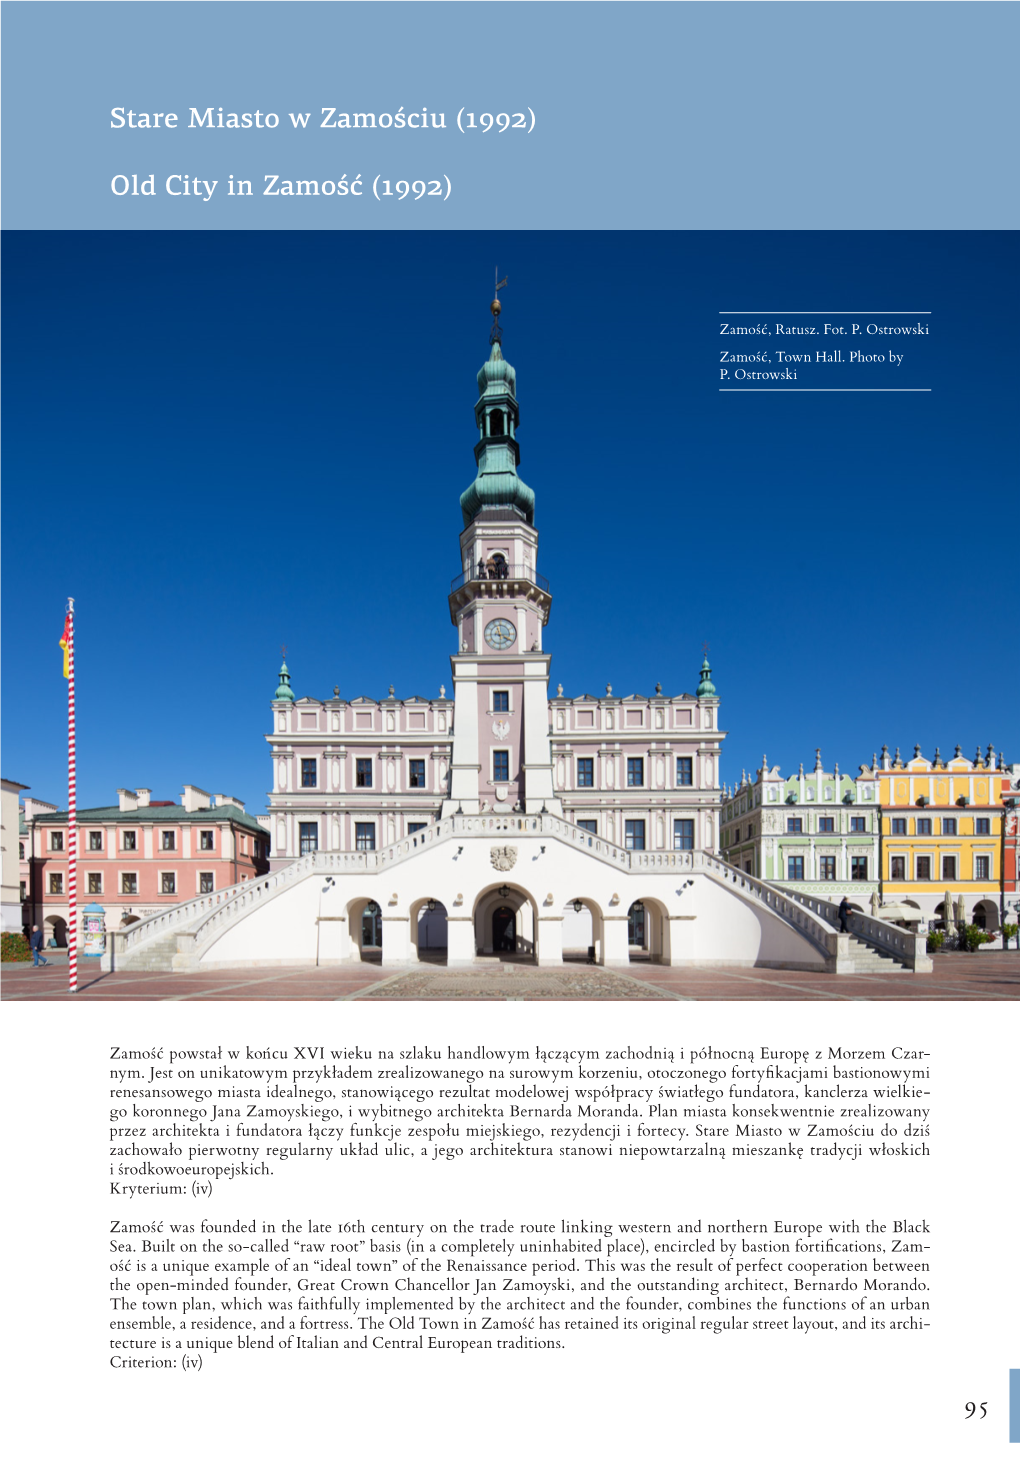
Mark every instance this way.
x=176 y=938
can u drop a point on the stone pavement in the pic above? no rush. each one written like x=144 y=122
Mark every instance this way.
x=989 y=977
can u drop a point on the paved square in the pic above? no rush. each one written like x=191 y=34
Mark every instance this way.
x=981 y=977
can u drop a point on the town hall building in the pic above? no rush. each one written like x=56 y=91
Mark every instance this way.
x=503 y=819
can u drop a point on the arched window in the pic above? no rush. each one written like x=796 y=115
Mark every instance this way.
x=496 y=423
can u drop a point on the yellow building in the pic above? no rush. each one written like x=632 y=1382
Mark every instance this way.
x=942 y=832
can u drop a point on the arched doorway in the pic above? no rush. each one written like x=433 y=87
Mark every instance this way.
x=648 y=937
x=430 y=933
x=371 y=926
x=55 y=932
x=582 y=931
x=986 y=916
x=504 y=930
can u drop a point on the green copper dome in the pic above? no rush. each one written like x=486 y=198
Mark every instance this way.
x=706 y=687
x=284 y=693
x=498 y=484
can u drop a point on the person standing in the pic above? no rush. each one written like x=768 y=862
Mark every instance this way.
x=35 y=942
x=844 y=915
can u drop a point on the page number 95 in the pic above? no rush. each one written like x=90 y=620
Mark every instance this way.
x=973 y=1407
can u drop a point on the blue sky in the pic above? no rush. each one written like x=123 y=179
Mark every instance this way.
x=219 y=443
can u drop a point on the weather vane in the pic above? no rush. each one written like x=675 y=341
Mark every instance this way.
x=496 y=334
x=704 y=648
x=283 y=650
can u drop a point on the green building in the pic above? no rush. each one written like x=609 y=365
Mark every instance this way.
x=817 y=832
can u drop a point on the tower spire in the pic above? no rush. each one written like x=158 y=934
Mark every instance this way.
x=496 y=334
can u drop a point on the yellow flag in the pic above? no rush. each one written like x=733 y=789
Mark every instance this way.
x=65 y=642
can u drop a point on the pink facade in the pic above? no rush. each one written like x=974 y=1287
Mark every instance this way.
x=137 y=857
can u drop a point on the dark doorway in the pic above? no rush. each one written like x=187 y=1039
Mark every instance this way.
x=371 y=926
x=504 y=931
x=636 y=925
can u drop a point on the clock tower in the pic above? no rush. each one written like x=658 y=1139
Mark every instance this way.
x=499 y=604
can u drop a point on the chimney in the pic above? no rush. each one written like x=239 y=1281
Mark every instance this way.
x=128 y=799
x=195 y=799
x=230 y=800
x=144 y=796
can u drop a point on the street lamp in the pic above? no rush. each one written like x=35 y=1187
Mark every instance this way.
x=431 y=904
x=504 y=892
x=577 y=904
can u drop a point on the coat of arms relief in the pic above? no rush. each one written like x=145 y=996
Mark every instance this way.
x=504 y=858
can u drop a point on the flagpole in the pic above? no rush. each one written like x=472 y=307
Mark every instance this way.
x=72 y=814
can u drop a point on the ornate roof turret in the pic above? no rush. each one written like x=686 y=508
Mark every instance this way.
x=284 y=693
x=706 y=687
x=497 y=454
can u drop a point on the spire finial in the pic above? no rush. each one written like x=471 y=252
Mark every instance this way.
x=496 y=334
x=706 y=687
x=284 y=693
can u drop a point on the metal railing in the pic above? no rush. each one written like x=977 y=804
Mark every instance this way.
x=500 y=573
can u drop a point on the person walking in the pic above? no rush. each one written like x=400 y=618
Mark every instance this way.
x=844 y=915
x=35 y=942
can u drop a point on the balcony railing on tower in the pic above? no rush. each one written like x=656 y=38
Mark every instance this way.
x=497 y=569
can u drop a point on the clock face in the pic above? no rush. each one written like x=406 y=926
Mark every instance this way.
x=500 y=634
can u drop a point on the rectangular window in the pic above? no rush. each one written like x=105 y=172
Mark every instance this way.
x=685 y=771
x=949 y=827
x=827 y=868
x=95 y=840
x=794 y=825
x=795 y=868
x=56 y=884
x=205 y=881
x=747 y=869
x=416 y=774
x=585 y=773
x=95 y=880
x=750 y=832
x=308 y=837
x=364 y=837
x=982 y=827
x=56 y=840
x=168 y=840
x=21 y=850
x=130 y=840
x=924 y=827
x=982 y=868
x=634 y=838
x=683 y=835
x=858 y=824
x=591 y=826
x=363 y=777
x=24 y=891
x=413 y=825
x=827 y=824
x=129 y=884
x=205 y=840
x=309 y=774
x=948 y=868
x=168 y=883
x=635 y=773
x=501 y=702
x=858 y=868
x=898 y=868
x=500 y=765
x=899 y=827
x=924 y=868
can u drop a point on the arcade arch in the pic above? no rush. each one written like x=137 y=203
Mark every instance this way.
x=506 y=923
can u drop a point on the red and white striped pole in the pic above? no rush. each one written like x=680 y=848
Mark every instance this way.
x=72 y=814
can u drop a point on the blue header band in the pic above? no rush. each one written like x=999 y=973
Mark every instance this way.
x=557 y=116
